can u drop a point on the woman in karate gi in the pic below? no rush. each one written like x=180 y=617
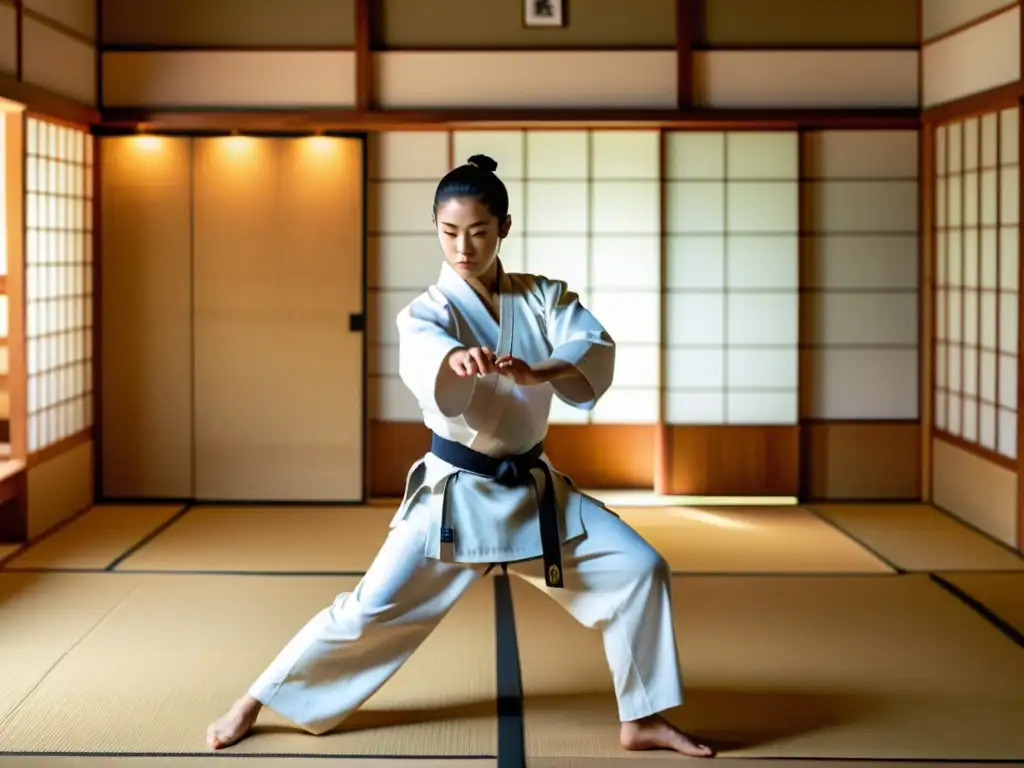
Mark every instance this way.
x=484 y=351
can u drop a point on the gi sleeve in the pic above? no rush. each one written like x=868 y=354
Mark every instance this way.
x=579 y=339
x=426 y=337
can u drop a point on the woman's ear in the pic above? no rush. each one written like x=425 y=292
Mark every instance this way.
x=505 y=227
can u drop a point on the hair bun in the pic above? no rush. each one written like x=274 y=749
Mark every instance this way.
x=484 y=162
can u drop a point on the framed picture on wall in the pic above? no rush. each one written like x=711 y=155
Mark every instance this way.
x=543 y=13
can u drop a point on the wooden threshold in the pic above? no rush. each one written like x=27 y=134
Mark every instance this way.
x=158 y=120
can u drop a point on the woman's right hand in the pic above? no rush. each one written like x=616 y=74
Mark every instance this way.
x=475 y=361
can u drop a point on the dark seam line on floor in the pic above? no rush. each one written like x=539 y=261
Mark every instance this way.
x=248 y=755
x=25 y=546
x=149 y=537
x=181 y=572
x=885 y=760
x=981 y=609
x=974 y=528
x=511 y=731
x=855 y=539
x=680 y=574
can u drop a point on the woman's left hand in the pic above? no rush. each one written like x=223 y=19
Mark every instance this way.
x=519 y=371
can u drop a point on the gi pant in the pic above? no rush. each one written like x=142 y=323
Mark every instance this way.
x=614 y=582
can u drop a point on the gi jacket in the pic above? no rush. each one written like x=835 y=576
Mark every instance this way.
x=539 y=319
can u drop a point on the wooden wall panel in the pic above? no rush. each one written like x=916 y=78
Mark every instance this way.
x=58 y=62
x=862 y=460
x=806 y=79
x=731 y=283
x=580 y=451
x=755 y=460
x=278 y=373
x=8 y=38
x=940 y=17
x=860 y=281
x=860 y=315
x=146 y=311
x=228 y=79
x=502 y=79
x=806 y=23
x=59 y=488
x=414 y=24
x=77 y=16
x=975 y=489
x=976 y=59
x=229 y=23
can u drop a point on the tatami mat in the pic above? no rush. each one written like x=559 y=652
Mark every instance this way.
x=652 y=760
x=826 y=667
x=42 y=617
x=1001 y=593
x=312 y=539
x=97 y=538
x=179 y=649
x=272 y=539
x=918 y=537
x=48 y=761
x=749 y=540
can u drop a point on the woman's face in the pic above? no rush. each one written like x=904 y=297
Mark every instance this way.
x=470 y=235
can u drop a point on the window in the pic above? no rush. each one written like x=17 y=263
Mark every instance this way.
x=977 y=280
x=732 y=278
x=58 y=281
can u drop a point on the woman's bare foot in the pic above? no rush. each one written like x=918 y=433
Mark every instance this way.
x=656 y=732
x=234 y=724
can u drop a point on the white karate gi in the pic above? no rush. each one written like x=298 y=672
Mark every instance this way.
x=613 y=580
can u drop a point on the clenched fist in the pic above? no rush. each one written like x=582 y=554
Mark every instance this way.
x=475 y=361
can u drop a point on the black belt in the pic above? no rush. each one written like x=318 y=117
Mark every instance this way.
x=511 y=472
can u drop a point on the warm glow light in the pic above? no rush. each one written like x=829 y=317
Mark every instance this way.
x=321 y=143
x=239 y=147
x=148 y=143
x=708 y=518
x=651 y=499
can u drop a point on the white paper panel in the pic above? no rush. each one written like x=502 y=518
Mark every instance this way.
x=557 y=207
x=977 y=59
x=79 y=15
x=507 y=148
x=864 y=206
x=226 y=79
x=557 y=154
x=762 y=156
x=863 y=262
x=862 y=155
x=408 y=155
x=8 y=39
x=765 y=318
x=695 y=319
x=57 y=62
x=503 y=79
x=939 y=16
x=631 y=155
x=695 y=155
x=625 y=207
x=625 y=262
x=807 y=79
x=763 y=262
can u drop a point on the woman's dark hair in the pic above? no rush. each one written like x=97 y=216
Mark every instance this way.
x=477 y=179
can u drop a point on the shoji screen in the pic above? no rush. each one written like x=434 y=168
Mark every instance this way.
x=585 y=208
x=277 y=275
x=731 y=293
x=977 y=281
x=58 y=281
x=146 y=302
x=403 y=254
x=861 y=329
